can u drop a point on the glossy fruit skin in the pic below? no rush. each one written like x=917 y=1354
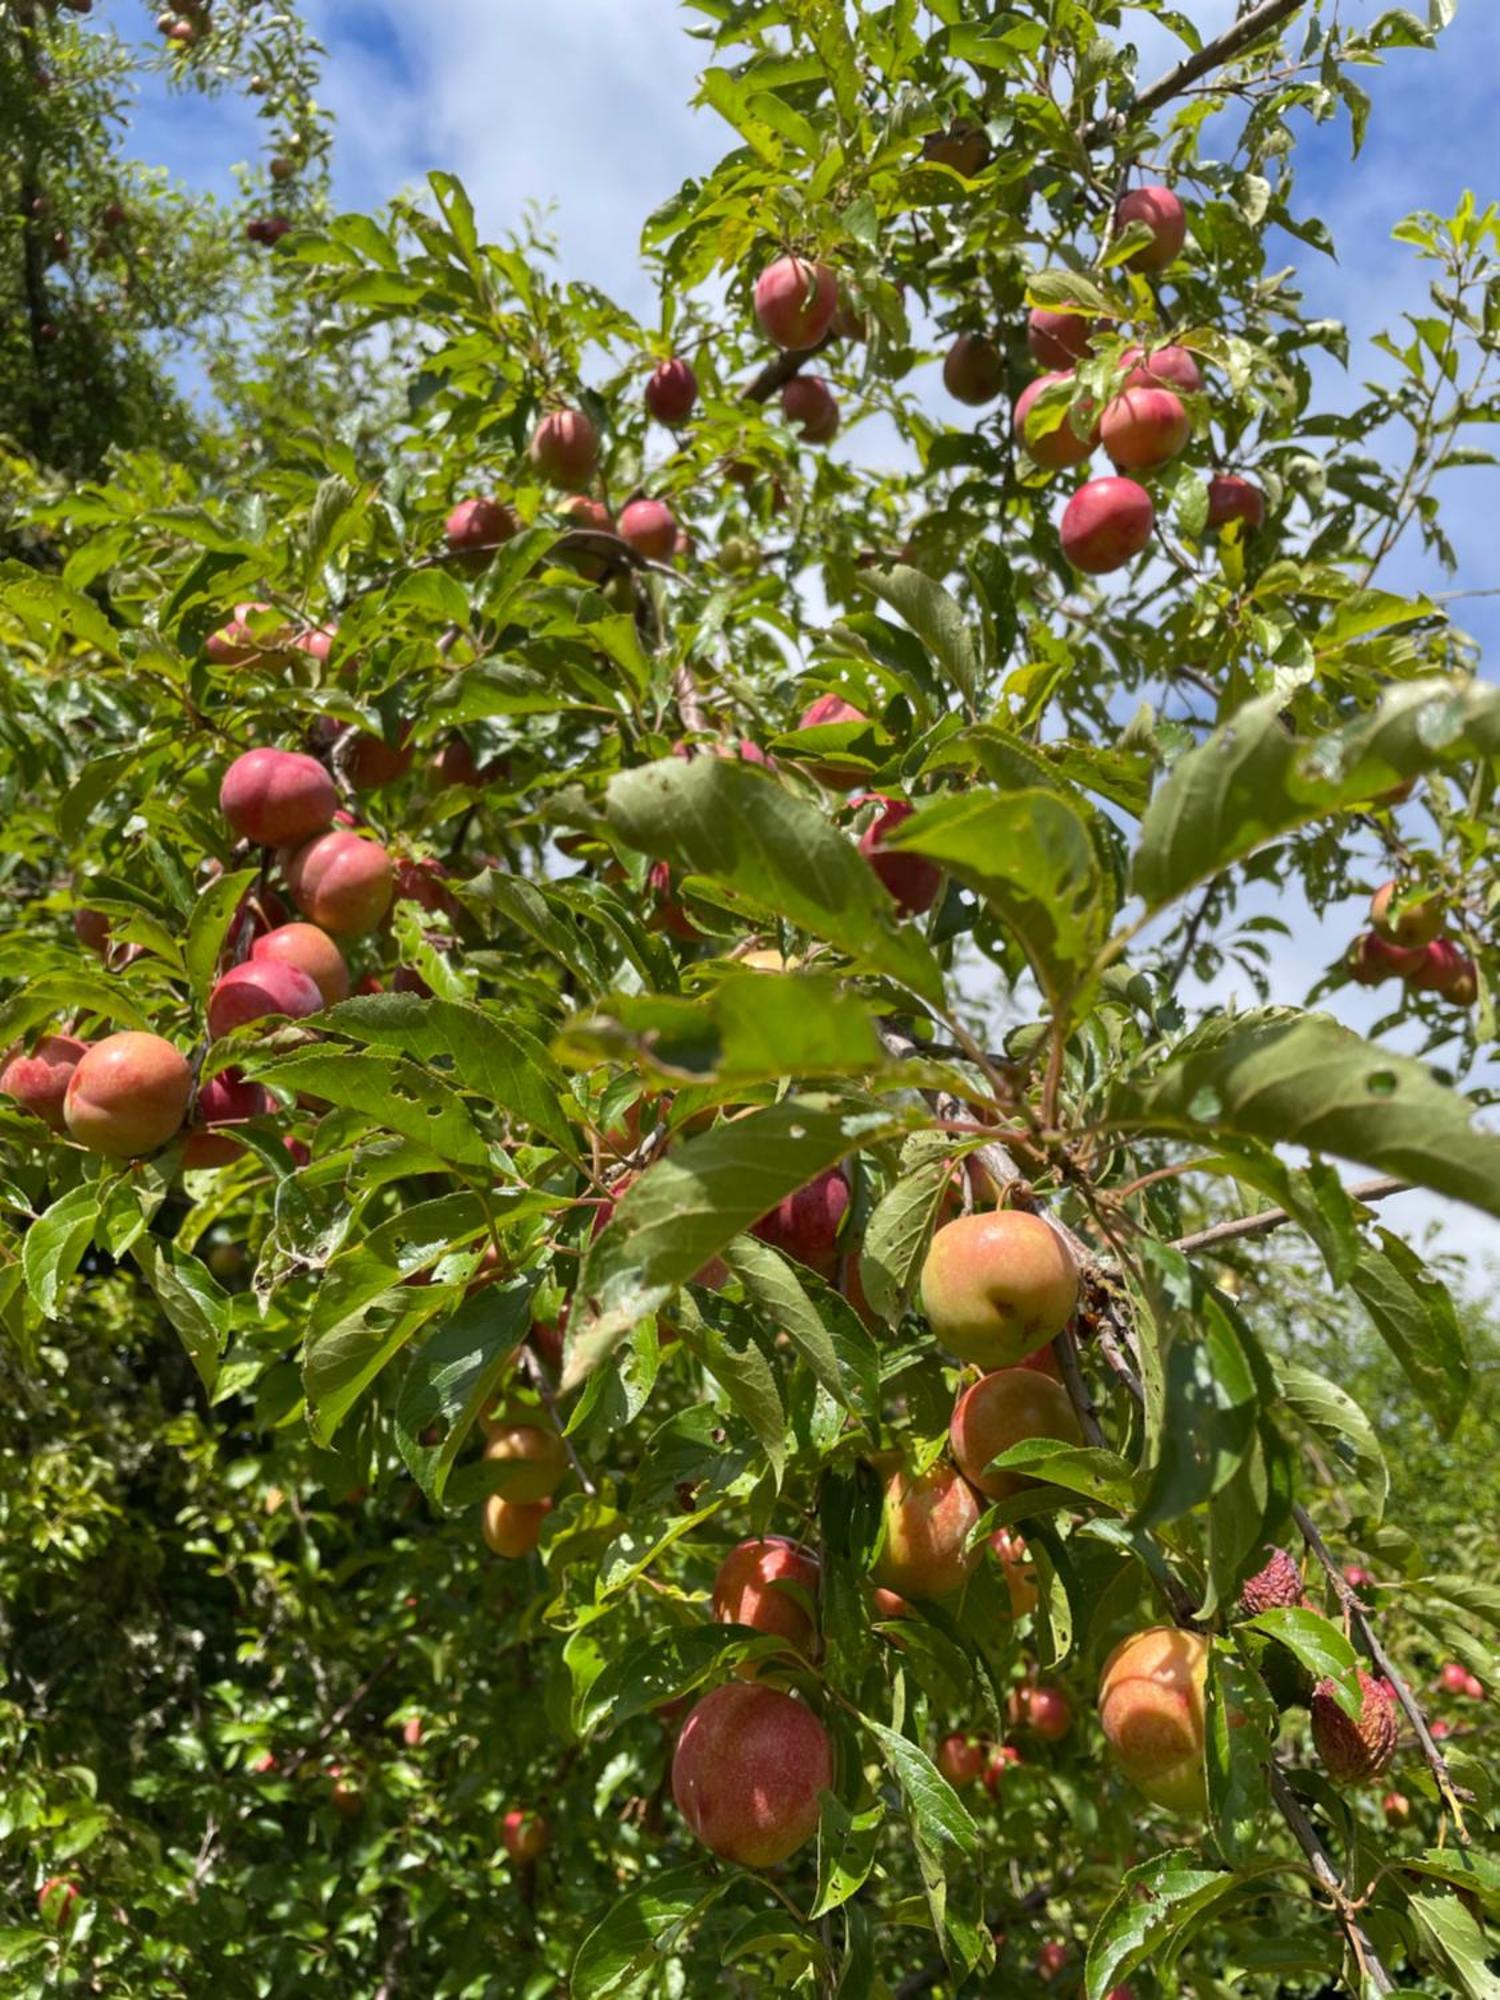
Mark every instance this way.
x=1417 y=924
x=513 y=1528
x=960 y=1759
x=277 y=798
x=342 y=883
x=1355 y=1751
x=480 y=525
x=1058 y=339
x=911 y=880
x=526 y=1835
x=128 y=1095
x=747 y=1770
x=1231 y=498
x=649 y=528
x=973 y=370
x=256 y=989
x=671 y=392
x=928 y=1518
x=1004 y=1757
x=1151 y=1711
x=91 y=928
x=830 y=708
x=311 y=951
x=811 y=408
x=795 y=302
x=564 y=449
x=1058 y=449
x=226 y=1099
x=1164 y=215
x=1372 y=959
x=1047 y=1712
x=1442 y=968
x=751 y=1588
x=39 y=1080
x=1143 y=429
x=1003 y=1409
x=533 y=1460
x=1276 y=1586
x=1164 y=368
x=1106 y=524
x=996 y=1286
x=805 y=1225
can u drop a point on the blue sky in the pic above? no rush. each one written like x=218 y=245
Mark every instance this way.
x=581 y=106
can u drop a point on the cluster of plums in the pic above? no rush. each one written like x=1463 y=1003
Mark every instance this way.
x=1405 y=942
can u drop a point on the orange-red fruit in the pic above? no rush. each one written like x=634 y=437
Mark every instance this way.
x=1454 y=1677
x=251 y=991
x=480 y=525
x=1047 y=1711
x=910 y=879
x=565 y=449
x=1276 y=1586
x=671 y=392
x=40 y=1080
x=1231 y=498
x=128 y=1095
x=928 y=1518
x=810 y=407
x=1166 y=218
x=973 y=370
x=795 y=302
x=1397 y=1809
x=1371 y=958
x=1002 y=1758
x=1151 y=1711
x=1443 y=968
x=1163 y=368
x=805 y=1225
x=226 y=1099
x=1353 y=1751
x=770 y=1582
x=527 y=1836
x=1051 y=1959
x=960 y=1759
x=747 y=1770
x=91 y=928
x=342 y=883
x=1417 y=922
x=533 y=1461
x=996 y=1286
x=648 y=527
x=57 y=1902
x=1018 y=1570
x=1144 y=428
x=1058 y=339
x=311 y=951
x=513 y=1527
x=1002 y=1410
x=1473 y=1687
x=235 y=645
x=1056 y=449
x=277 y=798
x=1106 y=524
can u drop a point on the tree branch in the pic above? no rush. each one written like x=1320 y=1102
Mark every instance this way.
x=776 y=374
x=1272 y=1218
x=1290 y=1808
x=1213 y=55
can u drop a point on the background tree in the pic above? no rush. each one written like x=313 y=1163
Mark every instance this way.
x=646 y=1351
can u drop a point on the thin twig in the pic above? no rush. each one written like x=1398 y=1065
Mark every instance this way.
x=531 y=1363
x=776 y=374
x=1290 y=1808
x=1273 y=1218
x=1213 y=55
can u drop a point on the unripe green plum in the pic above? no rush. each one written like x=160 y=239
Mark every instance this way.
x=997 y=1286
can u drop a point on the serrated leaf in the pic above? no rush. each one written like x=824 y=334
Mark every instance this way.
x=895 y=1240
x=1154 y=1903
x=395 y=1095
x=454 y=1374
x=647 y=1675
x=1411 y=1310
x=936 y=618
x=725 y=819
x=208 y=927
x=54 y=1244
x=1318 y=1644
x=622 y=1956
x=1336 y=1417
x=192 y=1301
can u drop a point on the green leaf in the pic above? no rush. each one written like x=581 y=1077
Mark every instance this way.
x=1154 y=1904
x=1252 y=780
x=1241 y=1727
x=622 y=1957
x=846 y=1853
x=1457 y=1939
x=734 y=1357
x=772 y=1287
x=895 y=1240
x=1099 y=1475
x=1414 y=1315
x=54 y=1245
x=1209 y=1418
x=725 y=819
x=1317 y=1643
x=454 y=1374
x=208 y=927
x=1030 y=855
x=394 y=1095
x=1336 y=1417
x=690 y=1206
x=934 y=616
x=52 y=611
x=647 y=1675
x=1300 y=1079
x=193 y=1302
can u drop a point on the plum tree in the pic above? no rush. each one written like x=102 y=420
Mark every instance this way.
x=795 y=302
x=1062 y=446
x=973 y=370
x=671 y=392
x=1163 y=214
x=257 y=988
x=770 y=1582
x=1003 y=1409
x=1001 y=1761
x=911 y=880
x=277 y=798
x=810 y=407
x=997 y=1286
x=1106 y=524
x=564 y=449
x=1151 y=1712
x=1233 y=498
x=1143 y=429
x=310 y=951
x=38 y=1078
x=926 y=1520
x=342 y=882
x=650 y=529
x=805 y=1224
x=128 y=1095
x=1018 y=1570
x=749 y=1765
